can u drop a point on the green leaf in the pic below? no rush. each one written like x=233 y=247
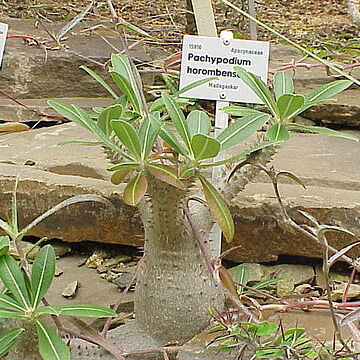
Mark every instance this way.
x=120 y=175
x=239 y=110
x=122 y=66
x=263 y=328
x=198 y=123
x=158 y=104
x=128 y=136
x=219 y=209
x=51 y=347
x=135 y=30
x=11 y=314
x=241 y=130
x=269 y=353
x=266 y=283
x=240 y=274
x=292 y=177
x=124 y=165
x=126 y=88
x=259 y=88
x=42 y=274
x=110 y=113
x=167 y=135
x=166 y=174
x=289 y=105
x=283 y=84
x=178 y=119
x=95 y=76
x=81 y=118
x=13 y=279
x=4 y=245
x=77 y=310
x=204 y=147
x=6 y=227
x=323 y=131
x=135 y=189
x=148 y=133
x=278 y=132
x=195 y=84
x=8 y=302
x=8 y=340
x=326 y=92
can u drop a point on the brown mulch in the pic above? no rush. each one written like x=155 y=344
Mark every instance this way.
x=321 y=24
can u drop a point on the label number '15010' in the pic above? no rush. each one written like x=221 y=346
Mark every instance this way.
x=195 y=46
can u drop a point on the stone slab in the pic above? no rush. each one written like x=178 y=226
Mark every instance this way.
x=39 y=72
x=329 y=167
x=11 y=111
x=40 y=190
x=40 y=148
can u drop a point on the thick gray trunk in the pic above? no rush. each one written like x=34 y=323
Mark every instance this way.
x=175 y=288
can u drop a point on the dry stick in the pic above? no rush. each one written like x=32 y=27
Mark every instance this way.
x=326 y=269
x=311 y=66
x=39 y=113
x=325 y=247
x=347 y=289
x=119 y=302
x=205 y=252
x=263 y=293
x=296 y=226
x=114 y=15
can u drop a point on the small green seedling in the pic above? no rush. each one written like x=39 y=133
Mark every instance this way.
x=265 y=340
x=22 y=298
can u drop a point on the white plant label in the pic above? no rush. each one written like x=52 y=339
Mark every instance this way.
x=205 y=57
x=3 y=35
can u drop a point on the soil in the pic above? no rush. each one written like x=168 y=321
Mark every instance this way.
x=322 y=25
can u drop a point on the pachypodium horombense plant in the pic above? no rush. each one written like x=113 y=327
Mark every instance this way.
x=162 y=153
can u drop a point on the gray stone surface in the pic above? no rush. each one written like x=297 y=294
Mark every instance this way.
x=31 y=72
x=329 y=167
x=11 y=111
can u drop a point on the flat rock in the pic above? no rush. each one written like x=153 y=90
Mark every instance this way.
x=329 y=167
x=31 y=72
x=11 y=111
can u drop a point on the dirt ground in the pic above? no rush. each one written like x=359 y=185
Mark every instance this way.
x=322 y=25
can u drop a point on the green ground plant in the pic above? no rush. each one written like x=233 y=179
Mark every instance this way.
x=161 y=152
x=22 y=300
x=24 y=287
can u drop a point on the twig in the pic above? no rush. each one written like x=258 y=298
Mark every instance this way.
x=312 y=66
x=113 y=13
x=39 y=113
x=321 y=236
